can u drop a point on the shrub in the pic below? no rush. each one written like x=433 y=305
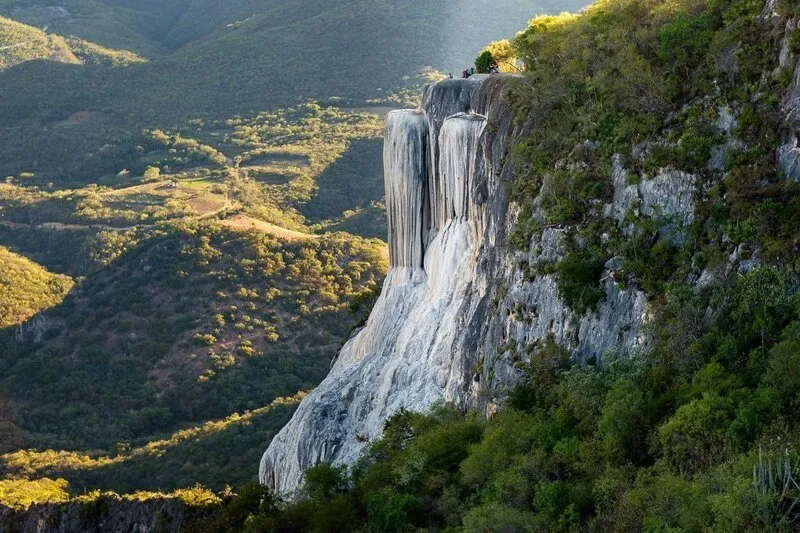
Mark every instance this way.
x=485 y=62
x=579 y=280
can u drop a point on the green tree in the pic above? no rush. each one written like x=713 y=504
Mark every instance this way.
x=485 y=62
x=152 y=174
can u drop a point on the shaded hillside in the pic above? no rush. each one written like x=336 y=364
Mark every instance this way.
x=216 y=454
x=351 y=50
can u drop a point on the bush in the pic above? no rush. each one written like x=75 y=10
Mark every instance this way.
x=695 y=436
x=579 y=280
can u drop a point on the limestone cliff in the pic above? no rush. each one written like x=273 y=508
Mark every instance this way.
x=438 y=330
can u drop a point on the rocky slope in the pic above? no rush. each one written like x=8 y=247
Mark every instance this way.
x=109 y=513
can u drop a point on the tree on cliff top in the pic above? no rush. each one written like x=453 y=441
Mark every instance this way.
x=485 y=62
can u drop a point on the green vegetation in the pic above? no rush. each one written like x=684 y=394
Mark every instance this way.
x=201 y=294
x=302 y=165
x=212 y=61
x=27 y=289
x=215 y=454
x=485 y=62
x=20 y=493
x=648 y=81
x=20 y=43
x=286 y=302
x=117 y=24
x=502 y=54
x=270 y=314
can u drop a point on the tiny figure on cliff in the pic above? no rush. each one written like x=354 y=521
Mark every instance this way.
x=449 y=75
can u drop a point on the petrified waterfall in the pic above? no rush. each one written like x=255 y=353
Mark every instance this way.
x=403 y=358
x=459 y=137
x=456 y=309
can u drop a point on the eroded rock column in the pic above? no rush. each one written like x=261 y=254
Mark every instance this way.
x=405 y=156
x=458 y=149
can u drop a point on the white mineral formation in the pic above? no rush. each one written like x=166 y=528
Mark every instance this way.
x=445 y=309
x=405 y=175
x=402 y=358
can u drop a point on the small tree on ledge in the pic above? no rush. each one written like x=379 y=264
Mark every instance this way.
x=485 y=62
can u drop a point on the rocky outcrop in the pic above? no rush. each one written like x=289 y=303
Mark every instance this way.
x=107 y=513
x=455 y=305
x=788 y=154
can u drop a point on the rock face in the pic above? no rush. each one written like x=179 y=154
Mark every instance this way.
x=455 y=303
x=788 y=154
x=670 y=194
x=110 y=514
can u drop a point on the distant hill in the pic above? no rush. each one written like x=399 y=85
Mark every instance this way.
x=232 y=58
x=20 y=43
x=243 y=55
x=119 y=25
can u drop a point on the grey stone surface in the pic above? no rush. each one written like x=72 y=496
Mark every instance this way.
x=670 y=194
x=110 y=514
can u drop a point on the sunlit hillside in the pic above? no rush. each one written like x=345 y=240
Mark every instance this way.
x=26 y=288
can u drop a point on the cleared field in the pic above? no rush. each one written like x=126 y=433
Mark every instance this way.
x=244 y=223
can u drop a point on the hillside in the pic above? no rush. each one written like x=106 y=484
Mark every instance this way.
x=202 y=293
x=194 y=323
x=27 y=289
x=20 y=43
x=133 y=26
